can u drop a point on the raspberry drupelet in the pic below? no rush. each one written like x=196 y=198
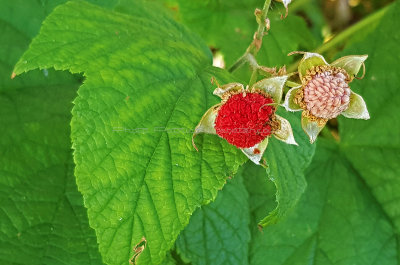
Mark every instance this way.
x=245 y=119
x=327 y=94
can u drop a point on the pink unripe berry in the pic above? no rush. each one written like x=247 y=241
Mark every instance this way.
x=327 y=94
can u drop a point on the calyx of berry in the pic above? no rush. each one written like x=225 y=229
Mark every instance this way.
x=246 y=117
x=325 y=93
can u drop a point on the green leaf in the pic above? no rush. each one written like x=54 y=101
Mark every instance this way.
x=309 y=61
x=335 y=222
x=218 y=233
x=169 y=260
x=227 y=25
x=373 y=146
x=203 y=240
x=311 y=11
x=147 y=86
x=27 y=17
x=286 y=165
x=42 y=218
x=41 y=213
x=285 y=36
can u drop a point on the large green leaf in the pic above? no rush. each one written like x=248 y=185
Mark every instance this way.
x=41 y=213
x=147 y=84
x=42 y=218
x=27 y=17
x=337 y=221
x=218 y=233
x=373 y=147
x=286 y=165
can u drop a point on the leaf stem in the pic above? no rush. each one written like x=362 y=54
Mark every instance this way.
x=253 y=78
x=242 y=60
x=254 y=47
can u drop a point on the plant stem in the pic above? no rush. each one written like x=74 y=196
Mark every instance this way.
x=253 y=78
x=242 y=60
x=255 y=45
x=347 y=33
x=292 y=84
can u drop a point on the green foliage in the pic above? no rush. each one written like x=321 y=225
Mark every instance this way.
x=374 y=148
x=146 y=86
x=136 y=182
x=286 y=170
x=41 y=210
x=337 y=221
x=219 y=233
x=228 y=26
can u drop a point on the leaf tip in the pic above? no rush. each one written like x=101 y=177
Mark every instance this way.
x=13 y=75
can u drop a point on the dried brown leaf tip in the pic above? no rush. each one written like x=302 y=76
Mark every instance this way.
x=137 y=250
x=324 y=92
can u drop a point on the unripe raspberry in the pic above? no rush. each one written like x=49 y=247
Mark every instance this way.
x=324 y=92
x=327 y=94
x=245 y=119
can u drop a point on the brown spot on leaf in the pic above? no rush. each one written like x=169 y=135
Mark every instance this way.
x=256 y=151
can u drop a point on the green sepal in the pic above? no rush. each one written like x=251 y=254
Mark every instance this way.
x=256 y=152
x=289 y=103
x=273 y=86
x=309 y=61
x=207 y=122
x=351 y=64
x=357 y=108
x=311 y=128
x=285 y=132
x=231 y=87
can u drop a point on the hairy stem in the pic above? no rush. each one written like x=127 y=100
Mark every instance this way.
x=255 y=45
x=253 y=78
x=258 y=36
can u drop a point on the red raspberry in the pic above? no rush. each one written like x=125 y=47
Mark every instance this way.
x=244 y=120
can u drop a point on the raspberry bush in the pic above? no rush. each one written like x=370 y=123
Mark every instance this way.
x=121 y=143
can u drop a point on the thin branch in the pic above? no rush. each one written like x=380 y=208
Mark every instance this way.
x=254 y=47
